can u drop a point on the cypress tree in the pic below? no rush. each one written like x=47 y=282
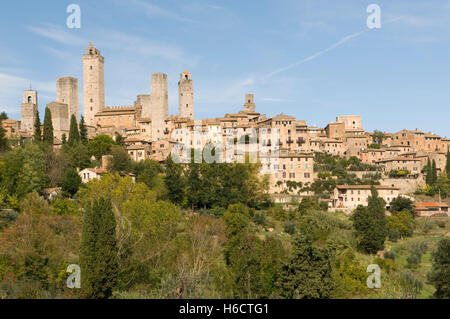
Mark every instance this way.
x=83 y=131
x=98 y=254
x=440 y=273
x=64 y=138
x=37 y=137
x=370 y=224
x=433 y=173
x=447 y=164
x=74 y=135
x=3 y=140
x=48 y=127
x=428 y=172
x=307 y=275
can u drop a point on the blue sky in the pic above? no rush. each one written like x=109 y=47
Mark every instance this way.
x=313 y=59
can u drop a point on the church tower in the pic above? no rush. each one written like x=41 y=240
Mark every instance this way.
x=186 y=96
x=29 y=110
x=93 y=83
x=249 y=105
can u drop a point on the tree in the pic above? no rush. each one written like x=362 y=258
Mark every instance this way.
x=3 y=116
x=120 y=161
x=447 y=163
x=48 y=128
x=120 y=140
x=64 y=139
x=401 y=203
x=37 y=137
x=83 y=131
x=4 y=146
x=433 y=172
x=98 y=253
x=308 y=273
x=78 y=155
x=175 y=181
x=71 y=182
x=378 y=137
x=401 y=223
x=427 y=172
x=74 y=134
x=100 y=145
x=370 y=224
x=440 y=273
x=308 y=203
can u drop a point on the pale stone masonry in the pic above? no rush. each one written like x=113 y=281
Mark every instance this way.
x=29 y=110
x=350 y=196
x=67 y=93
x=93 y=83
x=186 y=96
x=151 y=133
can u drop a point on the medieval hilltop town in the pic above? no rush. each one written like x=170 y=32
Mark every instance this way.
x=151 y=133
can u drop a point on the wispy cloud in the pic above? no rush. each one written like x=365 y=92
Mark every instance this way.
x=154 y=10
x=57 y=34
x=316 y=55
x=270 y=99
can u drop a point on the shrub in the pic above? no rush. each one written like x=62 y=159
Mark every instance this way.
x=260 y=219
x=389 y=255
x=290 y=227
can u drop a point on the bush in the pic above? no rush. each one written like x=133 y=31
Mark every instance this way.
x=394 y=235
x=389 y=255
x=441 y=224
x=290 y=227
x=259 y=219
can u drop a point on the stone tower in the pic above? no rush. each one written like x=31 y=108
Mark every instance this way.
x=29 y=110
x=60 y=117
x=159 y=110
x=186 y=96
x=93 y=83
x=67 y=93
x=249 y=105
x=145 y=101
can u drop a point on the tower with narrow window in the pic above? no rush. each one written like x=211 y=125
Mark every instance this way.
x=186 y=96
x=93 y=83
x=28 y=110
x=249 y=105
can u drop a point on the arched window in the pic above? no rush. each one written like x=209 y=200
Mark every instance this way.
x=186 y=77
x=30 y=99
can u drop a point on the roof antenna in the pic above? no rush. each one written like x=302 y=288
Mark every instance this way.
x=30 y=86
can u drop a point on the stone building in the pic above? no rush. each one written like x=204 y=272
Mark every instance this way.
x=186 y=96
x=93 y=83
x=29 y=110
x=67 y=93
x=350 y=196
x=60 y=118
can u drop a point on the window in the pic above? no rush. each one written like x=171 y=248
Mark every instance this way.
x=91 y=67
x=30 y=99
x=307 y=175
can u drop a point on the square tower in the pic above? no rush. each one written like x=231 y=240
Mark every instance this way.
x=159 y=110
x=186 y=96
x=67 y=93
x=249 y=105
x=93 y=83
x=29 y=109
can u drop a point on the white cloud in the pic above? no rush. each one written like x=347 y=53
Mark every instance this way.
x=154 y=10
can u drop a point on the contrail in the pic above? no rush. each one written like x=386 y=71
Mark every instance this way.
x=315 y=55
x=331 y=47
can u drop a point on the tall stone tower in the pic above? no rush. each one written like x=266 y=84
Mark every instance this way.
x=29 y=110
x=159 y=110
x=249 y=105
x=145 y=101
x=93 y=83
x=67 y=93
x=186 y=96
